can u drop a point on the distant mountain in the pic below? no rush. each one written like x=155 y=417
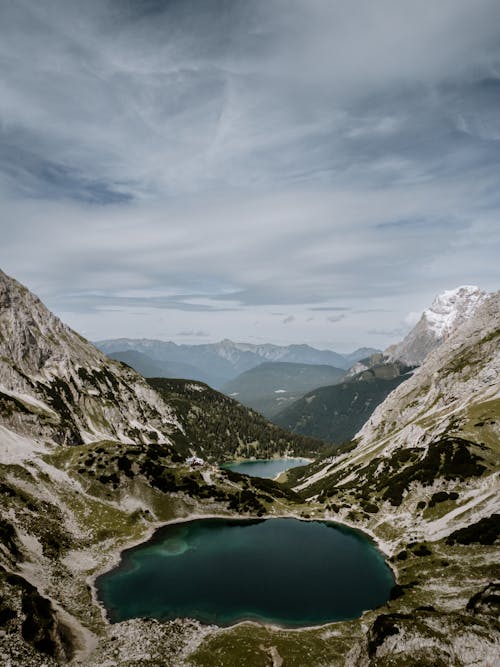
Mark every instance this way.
x=270 y=387
x=218 y=363
x=150 y=368
x=448 y=311
x=336 y=413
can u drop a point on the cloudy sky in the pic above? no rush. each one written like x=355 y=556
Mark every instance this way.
x=264 y=170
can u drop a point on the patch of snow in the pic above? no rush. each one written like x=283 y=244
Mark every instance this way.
x=451 y=307
x=30 y=400
x=207 y=477
x=16 y=449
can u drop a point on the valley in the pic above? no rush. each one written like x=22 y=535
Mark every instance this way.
x=94 y=460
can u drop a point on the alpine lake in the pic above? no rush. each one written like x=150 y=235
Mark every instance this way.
x=268 y=468
x=281 y=571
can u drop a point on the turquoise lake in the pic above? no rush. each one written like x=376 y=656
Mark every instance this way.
x=284 y=571
x=268 y=468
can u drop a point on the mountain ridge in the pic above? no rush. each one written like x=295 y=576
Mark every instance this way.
x=223 y=361
x=448 y=311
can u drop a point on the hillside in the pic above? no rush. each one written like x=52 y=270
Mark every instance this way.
x=219 y=428
x=56 y=385
x=268 y=388
x=336 y=413
x=91 y=460
x=422 y=477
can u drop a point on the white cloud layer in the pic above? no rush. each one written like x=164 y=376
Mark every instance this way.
x=173 y=168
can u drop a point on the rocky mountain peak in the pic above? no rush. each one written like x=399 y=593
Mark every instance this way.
x=448 y=311
x=452 y=307
x=55 y=385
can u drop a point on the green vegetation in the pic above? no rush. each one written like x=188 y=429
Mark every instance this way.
x=389 y=478
x=220 y=429
x=485 y=531
x=336 y=413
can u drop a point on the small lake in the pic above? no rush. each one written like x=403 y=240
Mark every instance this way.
x=269 y=468
x=284 y=571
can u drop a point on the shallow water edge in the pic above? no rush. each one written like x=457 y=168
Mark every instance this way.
x=315 y=591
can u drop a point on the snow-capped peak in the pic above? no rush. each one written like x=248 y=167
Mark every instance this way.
x=448 y=311
x=452 y=307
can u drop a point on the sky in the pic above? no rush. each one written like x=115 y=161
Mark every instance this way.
x=267 y=171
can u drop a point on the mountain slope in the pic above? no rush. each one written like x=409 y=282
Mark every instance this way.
x=453 y=396
x=336 y=413
x=422 y=476
x=270 y=386
x=220 y=428
x=55 y=384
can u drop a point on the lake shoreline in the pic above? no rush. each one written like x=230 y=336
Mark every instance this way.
x=266 y=468
x=253 y=620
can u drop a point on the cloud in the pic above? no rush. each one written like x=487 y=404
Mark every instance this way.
x=412 y=318
x=194 y=334
x=186 y=160
x=397 y=332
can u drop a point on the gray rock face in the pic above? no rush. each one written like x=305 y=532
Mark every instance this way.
x=438 y=430
x=56 y=385
x=448 y=311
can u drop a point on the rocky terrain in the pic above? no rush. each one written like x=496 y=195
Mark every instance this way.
x=92 y=462
x=448 y=311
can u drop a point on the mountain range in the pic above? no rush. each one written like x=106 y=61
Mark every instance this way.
x=219 y=363
x=93 y=459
